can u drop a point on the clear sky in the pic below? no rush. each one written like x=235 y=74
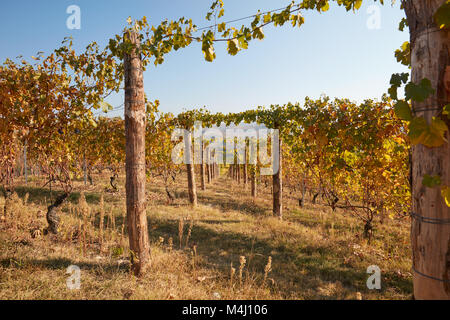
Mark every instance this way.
x=333 y=53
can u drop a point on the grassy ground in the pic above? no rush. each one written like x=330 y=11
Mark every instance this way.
x=315 y=253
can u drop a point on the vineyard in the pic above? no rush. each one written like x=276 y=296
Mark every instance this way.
x=291 y=201
x=316 y=253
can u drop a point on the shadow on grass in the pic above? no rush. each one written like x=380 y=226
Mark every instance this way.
x=225 y=202
x=297 y=268
x=40 y=195
x=62 y=264
x=307 y=220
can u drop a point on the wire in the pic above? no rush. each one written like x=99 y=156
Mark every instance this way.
x=430 y=277
x=210 y=27
x=240 y=19
x=114 y=109
x=426 y=109
x=429 y=219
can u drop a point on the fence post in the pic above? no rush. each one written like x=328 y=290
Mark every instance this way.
x=135 y=124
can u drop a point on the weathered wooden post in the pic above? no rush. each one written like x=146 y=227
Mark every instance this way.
x=85 y=169
x=430 y=229
x=277 y=186
x=202 y=168
x=135 y=122
x=189 y=159
x=25 y=168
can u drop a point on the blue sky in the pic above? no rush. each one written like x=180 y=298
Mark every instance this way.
x=333 y=53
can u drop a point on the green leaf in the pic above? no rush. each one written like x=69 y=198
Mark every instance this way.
x=446 y=110
x=396 y=81
x=442 y=15
x=417 y=127
x=243 y=43
x=431 y=181
x=326 y=6
x=393 y=92
x=398 y=78
x=403 y=23
x=258 y=34
x=403 y=54
x=221 y=27
x=419 y=92
x=233 y=47
x=207 y=46
x=403 y=111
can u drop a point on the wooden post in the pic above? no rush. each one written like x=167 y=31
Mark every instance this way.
x=25 y=163
x=277 y=187
x=430 y=238
x=208 y=165
x=238 y=166
x=253 y=175
x=84 y=168
x=135 y=122
x=189 y=158
x=245 y=166
x=303 y=190
x=213 y=166
x=202 y=169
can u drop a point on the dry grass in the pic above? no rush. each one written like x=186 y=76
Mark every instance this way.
x=229 y=247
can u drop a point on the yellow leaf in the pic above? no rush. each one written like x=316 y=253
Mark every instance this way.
x=429 y=135
x=435 y=134
x=446 y=195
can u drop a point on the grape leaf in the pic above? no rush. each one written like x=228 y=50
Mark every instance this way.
x=429 y=135
x=418 y=92
x=442 y=15
x=403 y=111
x=417 y=127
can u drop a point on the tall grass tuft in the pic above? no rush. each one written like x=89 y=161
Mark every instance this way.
x=102 y=215
x=194 y=258
x=112 y=221
x=124 y=220
x=191 y=225
x=232 y=273
x=181 y=231
x=170 y=244
x=84 y=210
x=267 y=269
x=242 y=262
